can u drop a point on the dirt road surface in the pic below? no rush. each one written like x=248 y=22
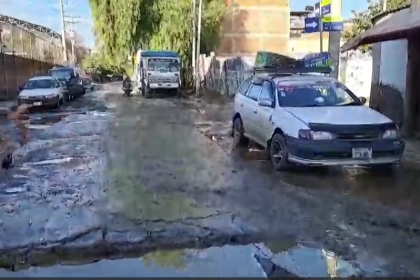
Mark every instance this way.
x=110 y=177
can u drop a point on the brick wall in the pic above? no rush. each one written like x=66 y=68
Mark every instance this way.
x=15 y=71
x=253 y=25
x=308 y=43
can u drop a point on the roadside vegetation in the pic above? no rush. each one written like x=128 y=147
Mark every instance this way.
x=123 y=27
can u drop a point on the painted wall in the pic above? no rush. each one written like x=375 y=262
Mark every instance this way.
x=389 y=76
x=393 y=65
x=356 y=72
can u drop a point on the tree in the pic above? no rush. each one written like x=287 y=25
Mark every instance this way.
x=116 y=26
x=362 y=21
x=122 y=27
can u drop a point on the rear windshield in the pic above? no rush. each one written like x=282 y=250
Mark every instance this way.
x=61 y=74
x=315 y=94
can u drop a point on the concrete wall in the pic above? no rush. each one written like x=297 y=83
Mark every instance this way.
x=389 y=74
x=393 y=65
x=15 y=71
x=253 y=25
x=356 y=72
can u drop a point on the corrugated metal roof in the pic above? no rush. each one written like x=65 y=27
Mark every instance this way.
x=395 y=27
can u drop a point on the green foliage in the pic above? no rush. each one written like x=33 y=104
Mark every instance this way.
x=362 y=21
x=100 y=65
x=122 y=27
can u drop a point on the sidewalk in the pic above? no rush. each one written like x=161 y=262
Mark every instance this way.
x=5 y=107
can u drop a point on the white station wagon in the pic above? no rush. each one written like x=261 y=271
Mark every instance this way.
x=312 y=120
x=42 y=91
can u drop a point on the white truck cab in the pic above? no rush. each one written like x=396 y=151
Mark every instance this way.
x=158 y=71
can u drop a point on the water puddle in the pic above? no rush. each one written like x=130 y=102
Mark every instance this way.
x=253 y=260
x=51 y=161
x=14 y=190
x=305 y=262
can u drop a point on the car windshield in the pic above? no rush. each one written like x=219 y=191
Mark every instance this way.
x=163 y=65
x=61 y=74
x=315 y=93
x=39 y=84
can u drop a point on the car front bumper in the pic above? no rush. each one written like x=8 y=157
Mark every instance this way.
x=39 y=101
x=163 y=85
x=339 y=153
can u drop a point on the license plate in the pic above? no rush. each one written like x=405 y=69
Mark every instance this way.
x=37 y=103
x=362 y=153
x=168 y=85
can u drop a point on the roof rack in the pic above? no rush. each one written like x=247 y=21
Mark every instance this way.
x=291 y=70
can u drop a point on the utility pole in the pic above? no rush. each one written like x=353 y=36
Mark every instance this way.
x=200 y=7
x=72 y=20
x=63 y=31
x=384 y=5
x=194 y=40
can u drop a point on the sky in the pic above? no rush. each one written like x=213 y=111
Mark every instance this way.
x=47 y=12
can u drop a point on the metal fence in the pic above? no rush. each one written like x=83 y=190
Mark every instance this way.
x=22 y=55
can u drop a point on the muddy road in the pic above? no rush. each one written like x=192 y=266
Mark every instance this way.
x=114 y=177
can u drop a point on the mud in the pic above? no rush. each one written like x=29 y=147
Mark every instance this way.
x=117 y=177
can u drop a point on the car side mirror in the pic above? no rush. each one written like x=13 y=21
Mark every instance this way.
x=265 y=103
x=363 y=100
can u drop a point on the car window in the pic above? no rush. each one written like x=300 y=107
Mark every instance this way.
x=267 y=91
x=244 y=86
x=254 y=92
x=314 y=94
x=39 y=84
x=61 y=73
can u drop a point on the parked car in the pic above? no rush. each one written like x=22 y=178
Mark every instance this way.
x=313 y=120
x=70 y=79
x=87 y=83
x=42 y=91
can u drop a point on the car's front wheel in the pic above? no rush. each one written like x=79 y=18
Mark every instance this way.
x=279 y=152
x=239 y=138
x=58 y=102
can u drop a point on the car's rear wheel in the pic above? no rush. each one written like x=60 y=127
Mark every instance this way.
x=279 y=152
x=239 y=138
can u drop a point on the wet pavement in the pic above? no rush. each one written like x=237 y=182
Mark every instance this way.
x=114 y=177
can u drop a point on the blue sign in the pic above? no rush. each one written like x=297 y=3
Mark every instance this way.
x=311 y=24
x=332 y=26
x=325 y=10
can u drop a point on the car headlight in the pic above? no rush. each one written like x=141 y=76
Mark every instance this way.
x=23 y=97
x=50 y=95
x=391 y=134
x=315 y=135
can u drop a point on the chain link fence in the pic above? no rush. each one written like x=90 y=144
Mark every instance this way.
x=22 y=55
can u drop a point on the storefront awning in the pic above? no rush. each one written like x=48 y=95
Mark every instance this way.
x=395 y=27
